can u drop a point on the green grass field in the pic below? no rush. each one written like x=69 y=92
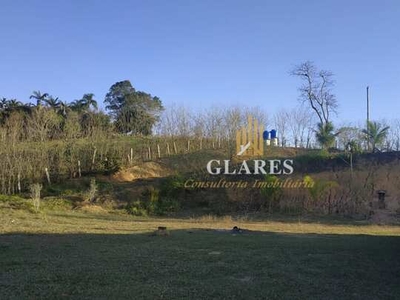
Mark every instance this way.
x=77 y=255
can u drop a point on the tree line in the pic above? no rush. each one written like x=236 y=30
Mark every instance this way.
x=70 y=138
x=49 y=118
x=133 y=112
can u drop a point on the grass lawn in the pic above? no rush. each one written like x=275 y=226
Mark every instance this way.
x=72 y=255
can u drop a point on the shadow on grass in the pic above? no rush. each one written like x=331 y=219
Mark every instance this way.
x=199 y=264
x=254 y=218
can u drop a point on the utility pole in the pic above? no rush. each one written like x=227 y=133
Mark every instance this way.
x=368 y=141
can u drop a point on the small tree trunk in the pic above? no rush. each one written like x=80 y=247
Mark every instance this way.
x=47 y=175
x=94 y=157
x=19 y=182
x=79 y=169
x=149 y=153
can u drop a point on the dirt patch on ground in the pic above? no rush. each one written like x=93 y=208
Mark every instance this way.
x=142 y=171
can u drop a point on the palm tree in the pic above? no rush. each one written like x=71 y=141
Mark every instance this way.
x=13 y=104
x=3 y=103
x=76 y=105
x=325 y=135
x=87 y=101
x=63 y=108
x=39 y=97
x=52 y=102
x=375 y=133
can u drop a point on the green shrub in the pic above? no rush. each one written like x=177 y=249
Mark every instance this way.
x=92 y=192
x=271 y=193
x=172 y=186
x=35 y=190
x=56 y=204
x=152 y=202
x=111 y=164
x=15 y=202
x=319 y=187
x=136 y=208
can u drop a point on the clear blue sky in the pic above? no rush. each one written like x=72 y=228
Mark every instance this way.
x=203 y=52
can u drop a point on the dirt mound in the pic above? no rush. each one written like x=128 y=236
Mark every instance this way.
x=142 y=171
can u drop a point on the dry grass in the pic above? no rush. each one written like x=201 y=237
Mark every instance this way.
x=101 y=221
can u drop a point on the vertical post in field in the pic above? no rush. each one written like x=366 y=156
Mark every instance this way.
x=79 y=169
x=368 y=140
x=47 y=175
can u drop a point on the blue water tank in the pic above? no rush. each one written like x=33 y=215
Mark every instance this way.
x=266 y=135
x=273 y=134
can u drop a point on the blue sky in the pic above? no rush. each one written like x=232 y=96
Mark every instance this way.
x=203 y=53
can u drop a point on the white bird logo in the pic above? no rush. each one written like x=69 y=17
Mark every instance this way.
x=243 y=149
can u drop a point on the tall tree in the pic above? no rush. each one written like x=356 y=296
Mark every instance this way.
x=76 y=106
x=13 y=104
x=317 y=90
x=52 y=102
x=3 y=103
x=376 y=133
x=39 y=97
x=133 y=111
x=88 y=101
x=281 y=122
x=63 y=108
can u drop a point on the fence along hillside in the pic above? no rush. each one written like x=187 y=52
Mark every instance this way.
x=30 y=162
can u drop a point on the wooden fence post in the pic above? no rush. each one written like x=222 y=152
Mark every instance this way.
x=19 y=182
x=149 y=153
x=47 y=175
x=94 y=157
x=79 y=168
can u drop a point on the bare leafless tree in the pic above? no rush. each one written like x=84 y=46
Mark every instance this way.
x=394 y=135
x=42 y=123
x=281 y=124
x=349 y=134
x=300 y=122
x=317 y=90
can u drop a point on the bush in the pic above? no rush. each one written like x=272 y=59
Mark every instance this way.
x=154 y=202
x=272 y=194
x=319 y=187
x=172 y=186
x=92 y=192
x=15 y=202
x=56 y=204
x=35 y=195
x=136 y=208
